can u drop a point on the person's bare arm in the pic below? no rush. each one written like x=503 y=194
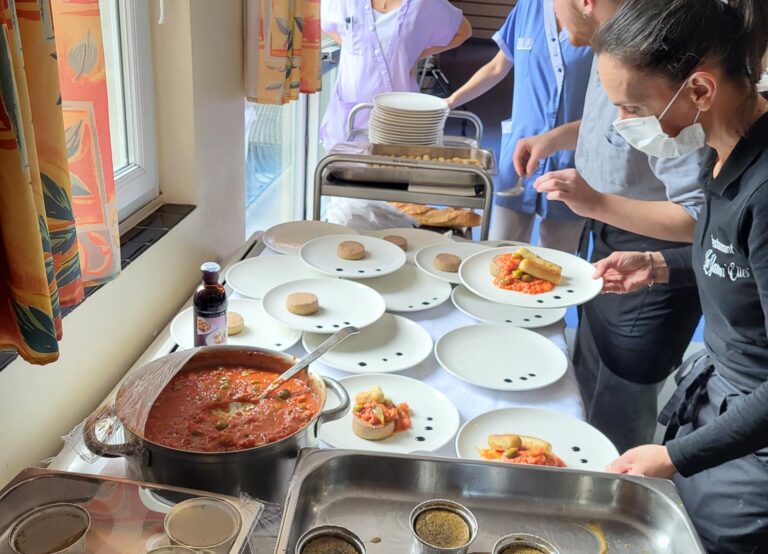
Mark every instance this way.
x=335 y=37
x=663 y=220
x=487 y=77
x=464 y=32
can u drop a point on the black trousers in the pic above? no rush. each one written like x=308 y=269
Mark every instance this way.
x=628 y=344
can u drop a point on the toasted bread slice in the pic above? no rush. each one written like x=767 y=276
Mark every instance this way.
x=506 y=441
x=371 y=432
x=528 y=255
x=536 y=268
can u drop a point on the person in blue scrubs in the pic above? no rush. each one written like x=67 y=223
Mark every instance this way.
x=551 y=77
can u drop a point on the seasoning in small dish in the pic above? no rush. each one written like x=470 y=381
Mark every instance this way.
x=442 y=528
x=329 y=545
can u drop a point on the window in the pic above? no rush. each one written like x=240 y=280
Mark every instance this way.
x=128 y=57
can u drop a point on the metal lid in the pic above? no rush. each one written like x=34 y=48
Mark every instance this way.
x=523 y=539
x=330 y=531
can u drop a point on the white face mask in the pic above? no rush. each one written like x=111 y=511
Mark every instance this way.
x=646 y=134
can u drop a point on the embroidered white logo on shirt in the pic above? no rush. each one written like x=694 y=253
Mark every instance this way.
x=724 y=248
x=524 y=43
x=731 y=271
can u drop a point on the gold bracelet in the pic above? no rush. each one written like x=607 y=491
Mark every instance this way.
x=653 y=269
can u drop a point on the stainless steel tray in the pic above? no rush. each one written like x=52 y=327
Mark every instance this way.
x=126 y=516
x=373 y=494
x=451 y=175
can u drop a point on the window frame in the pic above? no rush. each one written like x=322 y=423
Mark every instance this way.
x=137 y=184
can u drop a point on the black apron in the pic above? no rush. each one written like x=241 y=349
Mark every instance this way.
x=728 y=504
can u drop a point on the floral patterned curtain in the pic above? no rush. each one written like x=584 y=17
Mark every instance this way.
x=41 y=256
x=282 y=49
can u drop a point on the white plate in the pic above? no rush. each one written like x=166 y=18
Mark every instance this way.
x=410 y=290
x=501 y=314
x=253 y=277
x=577 y=286
x=501 y=358
x=577 y=443
x=393 y=343
x=381 y=257
x=409 y=101
x=434 y=418
x=288 y=238
x=501 y=243
x=259 y=329
x=417 y=239
x=425 y=258
x=342 y=303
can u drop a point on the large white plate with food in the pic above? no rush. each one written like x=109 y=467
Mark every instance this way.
x=576 y=287
x=577 y=443
x=425 y=258
x=501 y=358
x=434 y=419
x=394 y=343
x=486 y=311
x=259 y=329
x=417 y=239
x=381 y=257
x=288 y=238
x=253 y=277
x=410 y=290
x=341 y=303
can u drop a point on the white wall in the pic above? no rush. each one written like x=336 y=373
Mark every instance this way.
x=198 y=84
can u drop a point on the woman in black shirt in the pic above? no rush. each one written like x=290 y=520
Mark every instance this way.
x=684 y=73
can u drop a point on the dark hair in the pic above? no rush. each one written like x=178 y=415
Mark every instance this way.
x=673 y=37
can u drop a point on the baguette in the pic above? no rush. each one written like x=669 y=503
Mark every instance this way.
x=541 y=270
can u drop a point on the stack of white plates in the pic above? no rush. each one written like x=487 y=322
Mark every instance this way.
x=407 y=118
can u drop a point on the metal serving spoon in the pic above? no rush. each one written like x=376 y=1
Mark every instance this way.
x=329 y=343
x=517 y=190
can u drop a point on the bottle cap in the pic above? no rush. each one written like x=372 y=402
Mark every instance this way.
x=210 y=273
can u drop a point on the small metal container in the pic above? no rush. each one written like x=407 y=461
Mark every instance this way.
x=330 y=531
x=423 y=547
x=523 y=539
x=55 y=529
x=205 y=524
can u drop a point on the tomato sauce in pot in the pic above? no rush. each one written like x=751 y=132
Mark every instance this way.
x=215 y=410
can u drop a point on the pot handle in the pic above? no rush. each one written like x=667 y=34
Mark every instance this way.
x=95 y=445
x=339 y=411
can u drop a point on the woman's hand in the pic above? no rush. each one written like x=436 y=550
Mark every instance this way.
x=650 y=460
x=568 y=186
x=624 y=272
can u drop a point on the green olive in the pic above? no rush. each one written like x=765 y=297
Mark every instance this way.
x=221 y=425
x=284 y=394
x=511 y=452
x=518 y=274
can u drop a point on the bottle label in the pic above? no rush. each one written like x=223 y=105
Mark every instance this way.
x=210 y=331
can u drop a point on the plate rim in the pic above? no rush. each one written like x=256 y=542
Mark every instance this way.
x=249 y=300
x=271 y=245
x=535 y=250
x=251 y=260
x=376 y=293
x=454 y=293
x=455 y=281
x=455 y=411
x=354 y=372
x=401 y=256
x=435 y=303
x=503 y=328
x=526 y=408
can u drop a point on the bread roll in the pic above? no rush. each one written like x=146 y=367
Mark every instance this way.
x=302 y=303
x=397 y=240
x=351 y=250
x=235 y=323
x=447 y=262
x=535 y=268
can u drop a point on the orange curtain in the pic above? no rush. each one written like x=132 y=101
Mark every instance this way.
x=282 y=49
x=41 y=249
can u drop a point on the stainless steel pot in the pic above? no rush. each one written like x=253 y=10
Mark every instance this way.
x=263 y=472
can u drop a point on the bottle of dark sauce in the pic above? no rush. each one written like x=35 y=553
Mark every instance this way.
x=210 y=308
